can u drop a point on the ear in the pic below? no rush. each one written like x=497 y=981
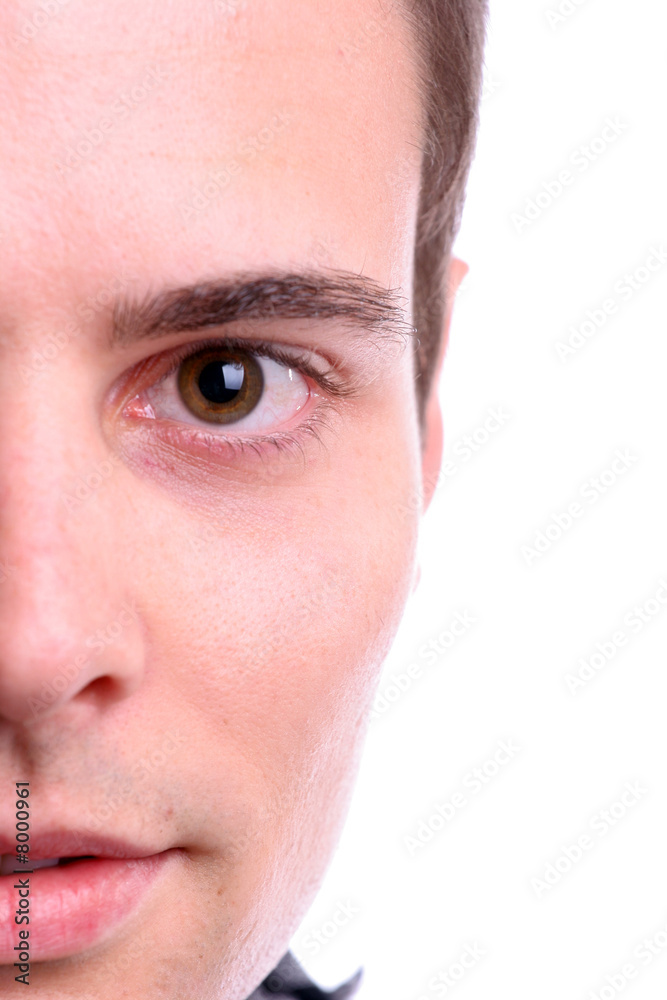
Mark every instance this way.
x=433 y=430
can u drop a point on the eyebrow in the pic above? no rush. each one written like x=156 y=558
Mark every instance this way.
x=364 y=303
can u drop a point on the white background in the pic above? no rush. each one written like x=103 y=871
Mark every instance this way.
x=549 y=92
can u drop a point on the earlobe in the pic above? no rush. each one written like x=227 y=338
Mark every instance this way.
x=433 y=427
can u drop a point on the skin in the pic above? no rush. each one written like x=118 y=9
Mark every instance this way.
x=267 y=589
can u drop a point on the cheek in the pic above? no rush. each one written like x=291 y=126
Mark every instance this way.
x=291 y=647
x=327 y=598
x=279 y=625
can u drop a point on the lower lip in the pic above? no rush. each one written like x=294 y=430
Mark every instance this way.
x=74 y=906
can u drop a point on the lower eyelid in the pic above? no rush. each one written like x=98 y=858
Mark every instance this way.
x=198 y=443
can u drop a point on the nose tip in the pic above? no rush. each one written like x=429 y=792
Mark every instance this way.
x=58 y=662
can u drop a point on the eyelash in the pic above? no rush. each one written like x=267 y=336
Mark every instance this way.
x=331 y=381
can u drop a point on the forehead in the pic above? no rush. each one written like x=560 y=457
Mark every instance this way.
x=180 y=139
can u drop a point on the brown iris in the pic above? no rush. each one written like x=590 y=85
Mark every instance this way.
x=220 y=385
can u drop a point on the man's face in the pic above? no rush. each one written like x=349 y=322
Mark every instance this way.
x=195 y=602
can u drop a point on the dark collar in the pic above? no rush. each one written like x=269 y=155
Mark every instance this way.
x=288 y=981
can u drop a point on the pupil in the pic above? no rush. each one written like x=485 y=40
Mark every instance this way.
x=221 y=381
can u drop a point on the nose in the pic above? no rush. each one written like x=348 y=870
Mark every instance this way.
x=70 y=631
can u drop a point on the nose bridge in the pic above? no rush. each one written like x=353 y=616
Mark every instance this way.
x=63 y=602
x=47 y=552
x=46 y=445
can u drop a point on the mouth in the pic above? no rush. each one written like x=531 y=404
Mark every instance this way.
x=9 y=865
x=79 y=888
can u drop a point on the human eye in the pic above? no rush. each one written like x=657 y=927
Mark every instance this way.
x=230 y=395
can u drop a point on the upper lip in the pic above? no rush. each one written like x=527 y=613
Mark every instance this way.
x=74 y=843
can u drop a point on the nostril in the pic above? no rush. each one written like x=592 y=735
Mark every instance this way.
x=102 y=689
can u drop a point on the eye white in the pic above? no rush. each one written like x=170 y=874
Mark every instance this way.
x=284 y=394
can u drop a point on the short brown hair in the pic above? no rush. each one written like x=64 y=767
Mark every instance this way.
x=450 y=38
